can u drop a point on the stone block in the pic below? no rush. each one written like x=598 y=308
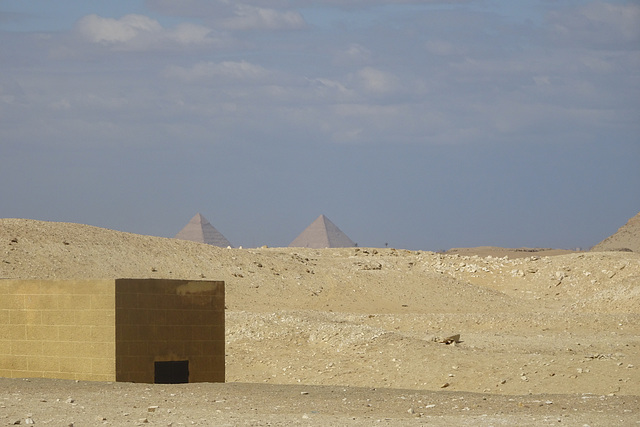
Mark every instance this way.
x=13 y=332
x=14 y=362
x=42 y=332
x=58 y=317
x=17 y=317
x=44 y=364
x=103 y=302
x=74 y=302
x=27 y=348
x=77 y=365
x=104 y=366
x=74 y=333
x=103 y=333
x=98 y=377
x=41 y=302
x=12 y=302
x=94 y=317
x=59 y=348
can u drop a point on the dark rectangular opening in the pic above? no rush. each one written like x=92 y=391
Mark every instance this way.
x=174 y=372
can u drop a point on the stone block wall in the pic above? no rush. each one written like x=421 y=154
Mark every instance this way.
x=112 y=329
x=169 y=320
x=58 y=329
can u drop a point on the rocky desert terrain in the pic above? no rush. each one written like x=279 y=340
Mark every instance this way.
x=362 y=336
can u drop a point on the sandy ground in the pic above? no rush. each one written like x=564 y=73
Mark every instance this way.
x=65 y=403
x=354 y=335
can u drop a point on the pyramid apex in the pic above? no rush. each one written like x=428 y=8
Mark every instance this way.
x=199 y=219
x=200 y=230
x=322 y=233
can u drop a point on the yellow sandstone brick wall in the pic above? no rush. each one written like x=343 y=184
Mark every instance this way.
x=111 y=330
x=58 y=329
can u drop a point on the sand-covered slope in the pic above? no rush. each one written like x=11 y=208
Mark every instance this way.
x=627 y=238
x=372 y=317
x=511 y=253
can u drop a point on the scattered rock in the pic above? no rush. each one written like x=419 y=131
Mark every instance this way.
x=451 y=339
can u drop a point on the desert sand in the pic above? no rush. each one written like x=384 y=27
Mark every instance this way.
x=358 y=336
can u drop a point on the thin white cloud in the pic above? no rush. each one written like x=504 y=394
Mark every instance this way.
x=329 y=84
x=203 y=9
x=376 y=81
x=599 y=24
x=259 y=18
x=214 y=9
x=107 y=30
x=187 y=33
x=456 y=80
x=353 y=54
x=139 y=32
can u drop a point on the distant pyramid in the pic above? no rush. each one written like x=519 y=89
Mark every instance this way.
x=626 y=238
x=322 y=233
x=200 y=230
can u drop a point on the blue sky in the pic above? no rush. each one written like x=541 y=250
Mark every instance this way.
x=421 y=124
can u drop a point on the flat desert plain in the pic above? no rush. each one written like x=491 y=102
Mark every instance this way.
x=361 y=336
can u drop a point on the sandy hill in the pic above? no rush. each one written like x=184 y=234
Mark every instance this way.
x=511 y=253
x=627 y=238
x=375 y=317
